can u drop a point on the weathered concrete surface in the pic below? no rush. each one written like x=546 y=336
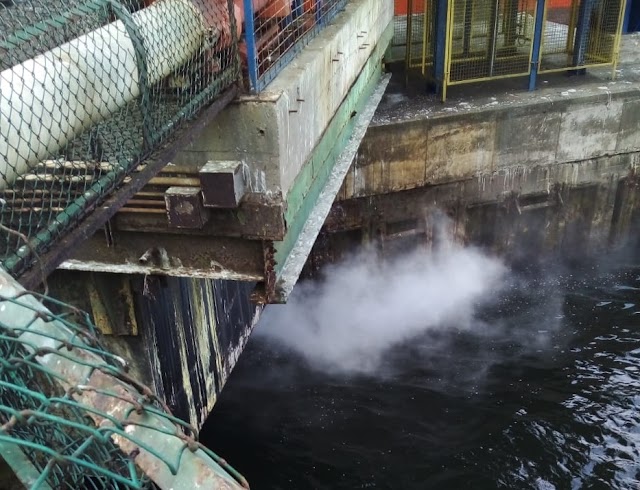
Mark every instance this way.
x=520 y=215
x=524 y=174
x=275 y=132
x=496 y=140
x=630 y=49
x=415 y=140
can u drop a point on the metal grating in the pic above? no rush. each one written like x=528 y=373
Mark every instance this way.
x=580 y=34
x=420 y=26
x=489 y=39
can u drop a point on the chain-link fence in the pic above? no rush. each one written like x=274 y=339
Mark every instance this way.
x=89 y=89
x=72 y=418
x=580 y=34
x=275 y=30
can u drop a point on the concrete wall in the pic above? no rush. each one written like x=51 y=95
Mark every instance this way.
x=275 y=132
x=555 y=136
x=523 y=174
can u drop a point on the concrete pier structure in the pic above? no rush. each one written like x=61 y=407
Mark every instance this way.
x=518 y=172
x=181 y=276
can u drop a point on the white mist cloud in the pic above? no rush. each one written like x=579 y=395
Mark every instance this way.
x=346 y=320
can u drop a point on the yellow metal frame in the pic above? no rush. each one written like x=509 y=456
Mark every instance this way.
x=618 y=39
x=613 y=62
x=425 y=29
x=449 y=59
x=418 y=61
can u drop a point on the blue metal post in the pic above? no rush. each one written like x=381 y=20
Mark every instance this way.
x=583 y=28
x=440 y=34
x=537 y=42
x=250 y=40
x=296 y=9
x=319 y=8
x=627 y=17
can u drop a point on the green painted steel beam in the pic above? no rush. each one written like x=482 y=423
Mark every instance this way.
x=317 y=173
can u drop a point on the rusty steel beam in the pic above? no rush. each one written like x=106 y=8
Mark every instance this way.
x=100 y=214
x=257 y=218
x=170 y=255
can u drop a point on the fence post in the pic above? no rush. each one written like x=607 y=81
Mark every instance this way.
x=583 y=28
x=627 y=17
x=250 y=40
x=297 y=9
x=537 y=43
x=319 y=9
x=440 y=35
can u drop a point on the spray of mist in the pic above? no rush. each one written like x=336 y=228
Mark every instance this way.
x=359 y=309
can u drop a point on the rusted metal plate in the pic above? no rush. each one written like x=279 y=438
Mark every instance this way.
x=170 y=255
x=112 y=304
x=195 y=330
x=185 y=208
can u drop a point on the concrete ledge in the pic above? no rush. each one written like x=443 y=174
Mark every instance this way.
x=455 y=143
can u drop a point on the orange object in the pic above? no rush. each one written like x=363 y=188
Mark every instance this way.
x=401 y=7
x=275 y=8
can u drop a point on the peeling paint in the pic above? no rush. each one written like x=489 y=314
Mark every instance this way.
x=195 y=330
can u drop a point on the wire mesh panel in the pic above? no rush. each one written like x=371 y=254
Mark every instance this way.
x=275 y=30
x=72 y=418
x=88 y=90
x=489 y=39
x=580 y=34
x=400 y=9
x=420 y=26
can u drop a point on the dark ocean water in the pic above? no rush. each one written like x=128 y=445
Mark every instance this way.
x=542 y=392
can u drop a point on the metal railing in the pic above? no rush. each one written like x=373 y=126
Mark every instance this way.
x=89 y=91
x=275 y=30
x=489 y=39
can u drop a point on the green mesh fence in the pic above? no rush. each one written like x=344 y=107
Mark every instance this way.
x=89 y=89
x=72 y=418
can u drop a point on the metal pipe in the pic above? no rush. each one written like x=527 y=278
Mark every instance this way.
x=48 y=100
x=85 y=203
